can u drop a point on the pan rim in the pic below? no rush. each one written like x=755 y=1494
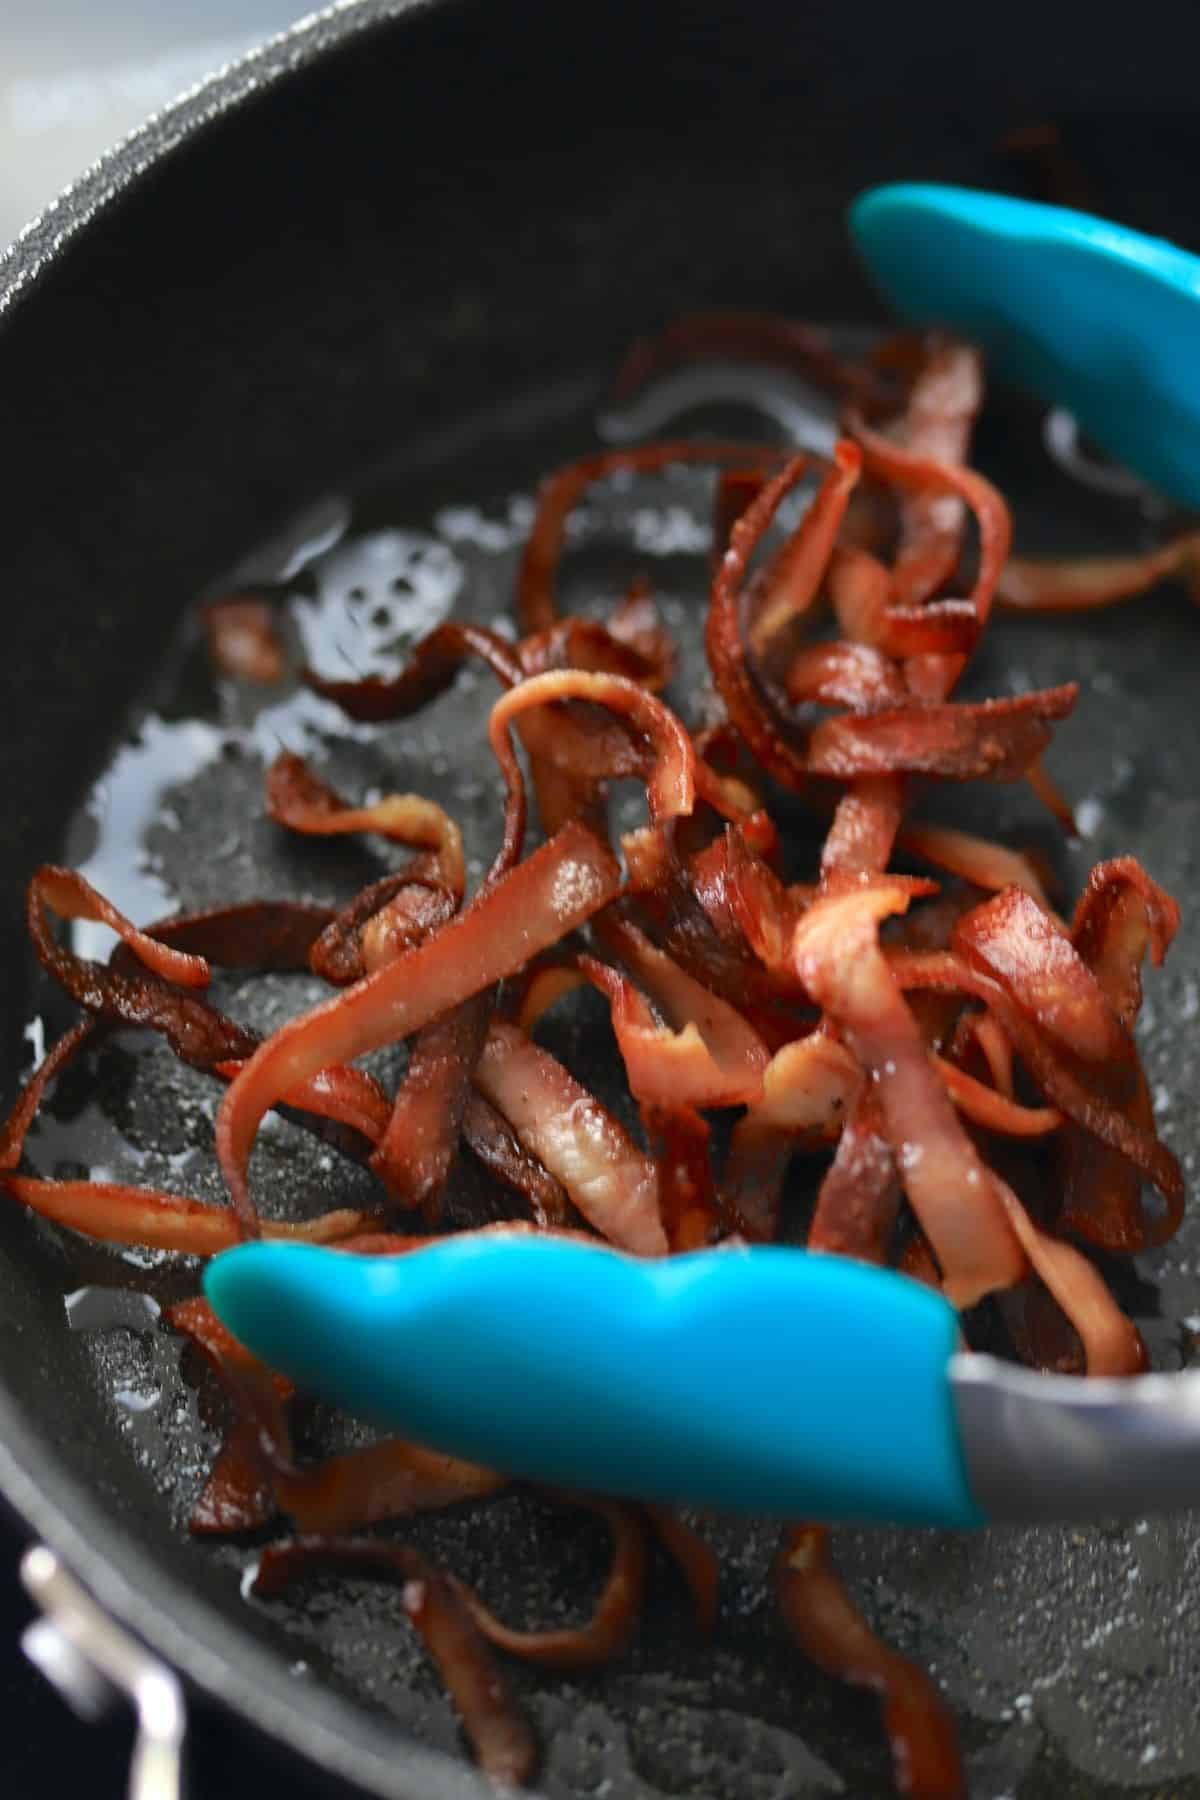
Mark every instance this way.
x=46 y=1496
x=43 y=240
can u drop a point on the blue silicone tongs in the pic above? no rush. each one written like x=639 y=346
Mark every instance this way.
x=771 y=1380
x=764 y=1380
x=1097 y=318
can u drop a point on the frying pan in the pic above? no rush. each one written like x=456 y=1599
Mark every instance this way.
x=406 y=241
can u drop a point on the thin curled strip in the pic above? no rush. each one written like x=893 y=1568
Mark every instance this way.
x=832 y=1633
x=344 y=1094
x=384 y=919
x=993 y=1110
x=537 y=609
x=1014 y=940
x=417 y=1148
x=614 y=1622
x=942 y=971
x=724 y=646
x=430 y=670
x=981 y=861
x=387 y=1480
x=300 y=800
x=860 y=591
x=66 y=893
x=1120 y=916
x=1112 y=1345
x=1062 y=585
x=694 y=1560
x=937 y=423
x=864 y=829
x=859 y=1199
x=778 y=342
x=238 y=1495
x=844 y=674
x=705 y=1045
x=670 y=770
x=498 y=1730
x=809 y=1087
x=111 y=1213
x=933 y=678
x=552 y=892
x=992 y=740
x=416 y=1152
x=60 y=1055
x=611 y=1182
x=788 y=587
x=490 y=1138
x=836 y=951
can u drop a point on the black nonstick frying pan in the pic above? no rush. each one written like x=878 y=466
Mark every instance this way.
x=396 y=256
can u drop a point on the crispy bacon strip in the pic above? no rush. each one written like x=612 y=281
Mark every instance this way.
x=1112 y=1345
x=864 y=828
x=993 y=1110
x=809 y=1086
x=417 y=1149
x=549 y=894
x=500 y=1735
x=430 y=670
x=489 y=1137
x=607 y=1178
x=1020 y=945
x=693 y=1214
x=261 y=1438
x=1057 y=585
x=937 y=424
x=300 y=800
x=860 y=588
x=62 y=891
x=836 y=951
x=994 y=740
x=242 y=639
x=704 y=1054
x=832 y=1633
x=749 y=710
x=114 y=1214
x=981 y=861
x=342 y=1093
x=845 y=674
x=670 y=766
x=694 y=1560
x=257 y=934
x=788 y=587
x=1120 y=915
x=537 y=609
x=859 y=1200
x=780 y=343
x=612 y=1626
x=56 y=1059
x=1062 y=1084
x=387 y=1480
x=383 y=920
x=916 y=474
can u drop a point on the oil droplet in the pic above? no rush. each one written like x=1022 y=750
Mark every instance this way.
x=123 y=805
x=106 y=1309
x=130 y=1401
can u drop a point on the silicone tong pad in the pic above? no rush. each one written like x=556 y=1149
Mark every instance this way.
x=763 y=1380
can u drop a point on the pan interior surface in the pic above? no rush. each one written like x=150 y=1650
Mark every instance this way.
x=332 y=345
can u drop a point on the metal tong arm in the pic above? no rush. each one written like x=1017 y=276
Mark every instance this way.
x=1043 y=1447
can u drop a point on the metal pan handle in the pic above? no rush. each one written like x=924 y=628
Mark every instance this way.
x=93 y=1662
